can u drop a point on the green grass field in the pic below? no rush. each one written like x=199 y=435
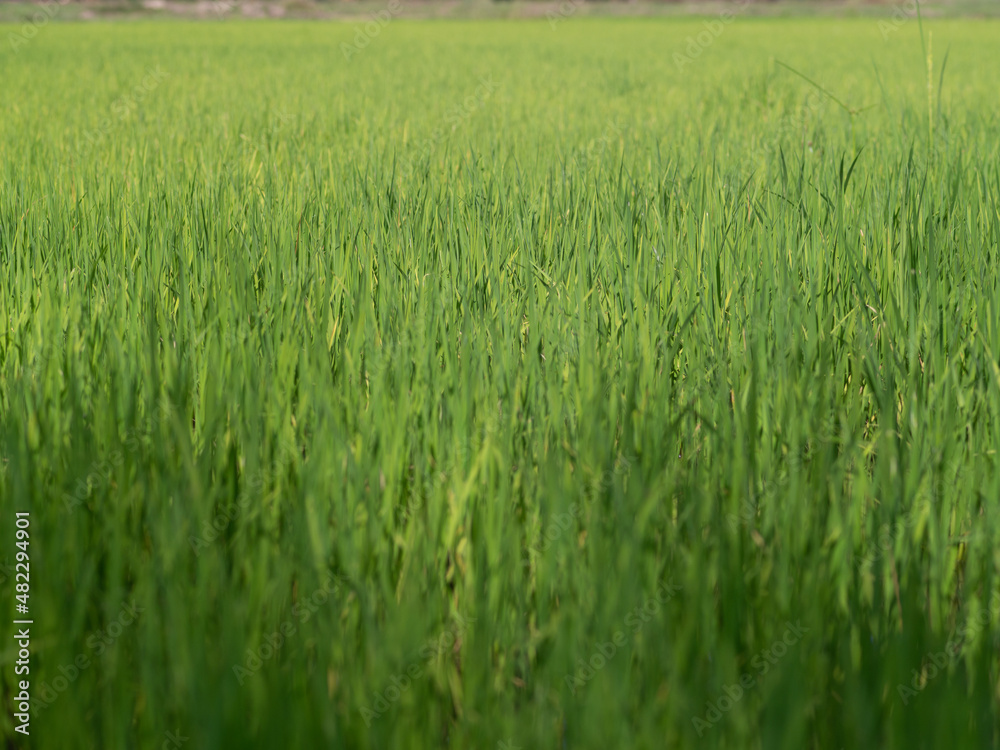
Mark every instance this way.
x=555 y=384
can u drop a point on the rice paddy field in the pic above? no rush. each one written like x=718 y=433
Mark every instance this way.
x=569 y=383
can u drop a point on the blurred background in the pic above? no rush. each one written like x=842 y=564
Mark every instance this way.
x=87 y=10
